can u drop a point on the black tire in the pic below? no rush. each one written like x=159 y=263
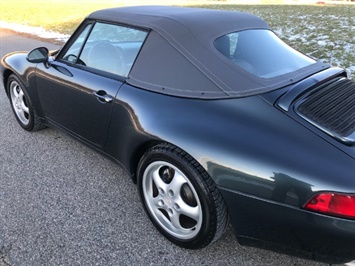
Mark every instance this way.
x=180 y=198
x=22 y=106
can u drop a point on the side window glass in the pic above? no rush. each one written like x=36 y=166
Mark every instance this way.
x=233 y=37
x=112 y=48
x=227 y=44
x=73 y=52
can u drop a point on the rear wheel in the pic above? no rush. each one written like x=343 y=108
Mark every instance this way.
x=180 y=197
x=21 y=105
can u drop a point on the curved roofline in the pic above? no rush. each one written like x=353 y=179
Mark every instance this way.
x=178 y=57
x=155 y=17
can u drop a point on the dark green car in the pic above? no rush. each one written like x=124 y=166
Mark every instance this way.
x=213 y=116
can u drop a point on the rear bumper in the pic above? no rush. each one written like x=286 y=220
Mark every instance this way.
x=290 y=230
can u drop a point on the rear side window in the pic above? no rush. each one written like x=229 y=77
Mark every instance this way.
x=261 y=53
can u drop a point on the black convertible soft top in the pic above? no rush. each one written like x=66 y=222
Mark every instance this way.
x=179 y=57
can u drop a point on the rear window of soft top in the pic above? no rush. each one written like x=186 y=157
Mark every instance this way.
x=261 y=53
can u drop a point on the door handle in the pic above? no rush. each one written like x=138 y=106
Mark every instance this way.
x=102 y=96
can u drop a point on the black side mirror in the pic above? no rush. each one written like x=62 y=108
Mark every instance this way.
x=38 y=55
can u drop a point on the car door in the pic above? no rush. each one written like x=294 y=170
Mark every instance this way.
x=77 y=89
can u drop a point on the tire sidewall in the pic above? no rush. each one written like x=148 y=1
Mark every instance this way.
x=206 y=232
x=30 y=125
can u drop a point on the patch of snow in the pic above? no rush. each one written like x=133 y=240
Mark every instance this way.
x=279 y=32
x=310 y=35
x=348 y=48
x=298 y=37
x=38 y=31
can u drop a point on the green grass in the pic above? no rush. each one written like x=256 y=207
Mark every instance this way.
x=57 y=15
x=326 y=32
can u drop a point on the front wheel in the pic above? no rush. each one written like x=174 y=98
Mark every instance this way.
x=21 y=105
x=180 y=197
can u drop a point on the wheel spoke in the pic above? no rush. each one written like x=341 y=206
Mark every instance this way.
x=192 y=212
x=175 y=220
x=21 y=114
x=24 y=107
x=176 y=183
x=20 y=94
x=14 y=89
x=21 y=97
x=158 y=181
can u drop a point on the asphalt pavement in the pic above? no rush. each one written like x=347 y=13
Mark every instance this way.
x=61 y=203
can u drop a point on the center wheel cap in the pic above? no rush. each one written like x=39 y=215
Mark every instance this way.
x=168 y=200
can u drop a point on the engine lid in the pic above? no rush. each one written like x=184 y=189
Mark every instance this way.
x=331 y=108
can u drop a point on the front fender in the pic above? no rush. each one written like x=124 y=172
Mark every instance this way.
x=17 y=63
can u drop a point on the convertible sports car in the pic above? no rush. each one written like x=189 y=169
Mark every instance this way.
x=213 y=116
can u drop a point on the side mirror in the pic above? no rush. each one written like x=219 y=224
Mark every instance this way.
x=38 y=55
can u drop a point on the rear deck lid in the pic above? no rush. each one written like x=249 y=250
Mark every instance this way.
x=331 y=108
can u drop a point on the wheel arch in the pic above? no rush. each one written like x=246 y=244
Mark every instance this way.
x=217 y=217
x=16 y=63
x=143 y=148
x=137 y=155
x=7 y=73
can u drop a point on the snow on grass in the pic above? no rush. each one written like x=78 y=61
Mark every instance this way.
x=38 y=31
x=323 y=32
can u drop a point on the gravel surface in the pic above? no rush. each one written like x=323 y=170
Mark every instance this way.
x=63 y=204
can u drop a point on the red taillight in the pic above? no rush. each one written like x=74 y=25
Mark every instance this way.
x=333 y=204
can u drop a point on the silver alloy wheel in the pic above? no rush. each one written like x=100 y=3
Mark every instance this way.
x=172 y=200
x=19 y=103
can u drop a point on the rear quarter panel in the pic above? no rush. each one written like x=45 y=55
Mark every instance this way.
x=246 y=145
x=266 y=165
